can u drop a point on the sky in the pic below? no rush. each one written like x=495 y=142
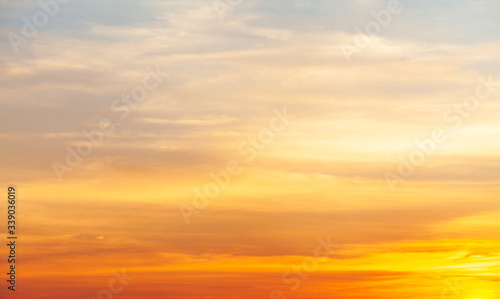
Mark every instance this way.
x=252 y=149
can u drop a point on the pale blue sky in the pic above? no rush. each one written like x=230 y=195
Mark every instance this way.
x=264 y=54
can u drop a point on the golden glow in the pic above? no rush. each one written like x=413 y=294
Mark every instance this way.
x=435 y=236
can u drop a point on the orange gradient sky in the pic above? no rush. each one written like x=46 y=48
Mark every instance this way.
x=432 y=235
